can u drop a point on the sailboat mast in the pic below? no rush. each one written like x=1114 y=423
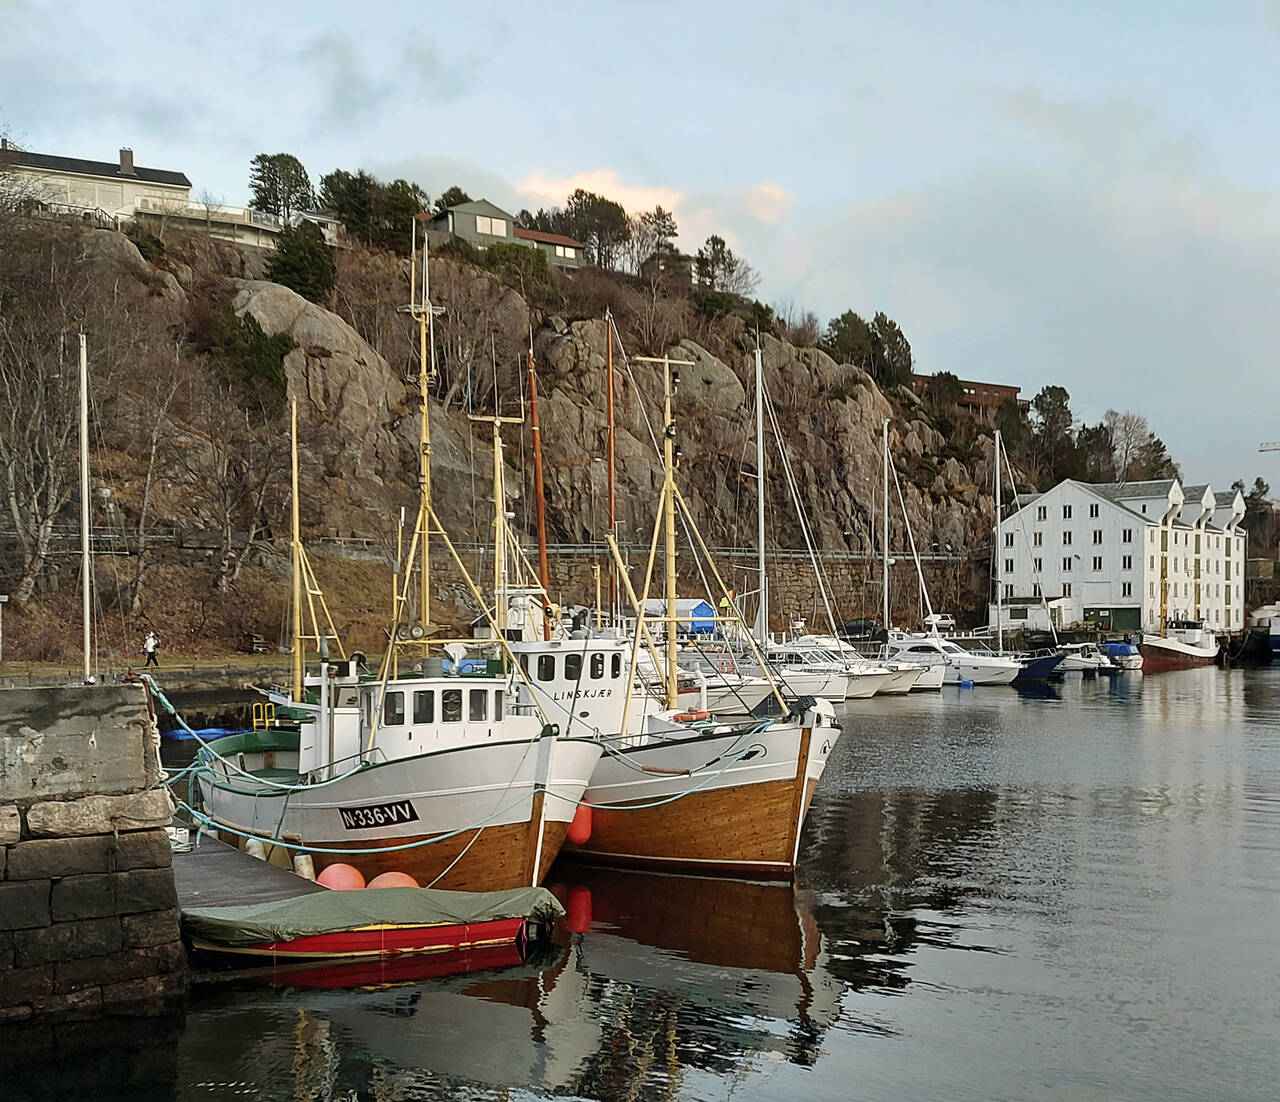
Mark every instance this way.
x=762 y=614
x=296 y=649
x=499 y=533
x=424 y=462
x=884 y=540
x=613 y=514
x=544 y=570
x=669 y=504
x=85 y=561
x=996 y=552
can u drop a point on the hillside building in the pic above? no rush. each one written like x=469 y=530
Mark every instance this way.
x=1125 y=556
x=980 y=399
x=481 y=223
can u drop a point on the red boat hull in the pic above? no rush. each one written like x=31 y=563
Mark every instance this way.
x=379 y=941
x=1156 y=658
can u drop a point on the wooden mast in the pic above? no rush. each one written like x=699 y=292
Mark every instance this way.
x=298 y=686
x=669 y=382
x=613 y=515
x=544 y=571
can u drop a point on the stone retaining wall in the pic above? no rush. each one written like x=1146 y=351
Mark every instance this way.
x=88 y=914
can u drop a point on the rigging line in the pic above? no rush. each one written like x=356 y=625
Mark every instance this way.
x=122 y=545
x=1022 y=527
x=804 y=524
x=911 y=538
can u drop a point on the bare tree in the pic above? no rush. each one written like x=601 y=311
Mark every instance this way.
x=209 y=203
x=1129 y=432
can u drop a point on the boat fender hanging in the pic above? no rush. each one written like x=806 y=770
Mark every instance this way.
x=580 y=828
x=578 y=909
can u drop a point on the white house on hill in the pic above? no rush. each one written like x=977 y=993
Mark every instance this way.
x=1126 y=556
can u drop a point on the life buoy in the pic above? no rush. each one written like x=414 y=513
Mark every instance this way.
x=725 y=665
x=689 y=717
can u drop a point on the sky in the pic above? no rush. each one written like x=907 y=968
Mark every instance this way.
x=1083 y=193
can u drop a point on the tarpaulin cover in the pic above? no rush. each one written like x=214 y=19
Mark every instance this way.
x=332 y=912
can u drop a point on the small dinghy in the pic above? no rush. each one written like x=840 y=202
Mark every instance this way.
x=373 y=922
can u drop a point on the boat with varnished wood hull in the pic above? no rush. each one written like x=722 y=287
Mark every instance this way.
x=479 y=817
x=724 y=799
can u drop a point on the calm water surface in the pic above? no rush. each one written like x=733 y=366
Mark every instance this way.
x=1072 y=895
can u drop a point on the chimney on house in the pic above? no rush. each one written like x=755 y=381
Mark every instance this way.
x=126 y=162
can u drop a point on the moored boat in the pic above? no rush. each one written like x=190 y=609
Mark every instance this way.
x=1185 y=645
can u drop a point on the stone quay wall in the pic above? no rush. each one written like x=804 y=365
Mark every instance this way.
x=88 y=913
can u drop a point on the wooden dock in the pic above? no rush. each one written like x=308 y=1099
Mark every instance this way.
x=214 y=874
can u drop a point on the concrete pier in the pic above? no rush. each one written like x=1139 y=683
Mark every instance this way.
x=88 y=918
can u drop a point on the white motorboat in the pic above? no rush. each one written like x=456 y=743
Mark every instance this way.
x=1083 y=658
x=979 y=668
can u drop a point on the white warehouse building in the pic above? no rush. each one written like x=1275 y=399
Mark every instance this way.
x=1125 y=556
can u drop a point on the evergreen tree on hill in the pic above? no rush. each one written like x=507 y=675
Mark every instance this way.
x=303 y=262
x=280 y=185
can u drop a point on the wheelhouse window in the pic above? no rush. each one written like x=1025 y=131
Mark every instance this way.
x=451 y=705
x=478 y=710
x=393 y=710
x=597 y=666
x=615 y=667
x=498 y=710
x=546 y=667
x=573 y=667
x=424 y=707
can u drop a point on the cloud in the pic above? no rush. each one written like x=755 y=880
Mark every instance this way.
x=767 y=202
x=540 y=189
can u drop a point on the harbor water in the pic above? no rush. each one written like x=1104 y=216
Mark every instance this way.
x=1066 y=894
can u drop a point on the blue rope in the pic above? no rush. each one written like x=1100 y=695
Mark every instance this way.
x=205 y=820
x=666 y=799
x=205 y=747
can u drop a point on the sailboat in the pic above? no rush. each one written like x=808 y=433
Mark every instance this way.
x=441 y=775
x=677 y=787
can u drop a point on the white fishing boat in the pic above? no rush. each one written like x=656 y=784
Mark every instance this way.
x=444 y=775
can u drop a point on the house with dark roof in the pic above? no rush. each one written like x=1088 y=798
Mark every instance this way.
x=481 y=224
x=562 y=251
x=113 y=190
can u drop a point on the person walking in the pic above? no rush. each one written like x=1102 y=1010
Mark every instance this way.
x=150 y=645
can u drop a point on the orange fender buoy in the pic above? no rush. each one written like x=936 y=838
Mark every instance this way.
x=393 y=880
x=580 y=828
x=341 y=878
x=578 y=909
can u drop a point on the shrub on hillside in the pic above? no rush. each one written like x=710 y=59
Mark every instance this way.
x=303 y=262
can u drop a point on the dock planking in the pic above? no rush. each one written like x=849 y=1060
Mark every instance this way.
x=214 y=874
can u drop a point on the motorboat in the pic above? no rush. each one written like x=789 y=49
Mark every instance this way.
x=976 y=667
x=1086 y=658
x=1123 y=656
x=1184 y=645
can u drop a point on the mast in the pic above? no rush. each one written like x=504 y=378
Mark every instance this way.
x=613 y=515
x=296 y=552
x=85 y=561
x=762 y=615
x=499 y=520
x=884 y=542
x=669 y=454
x=424 y=312
x=544 y=571
x=996 y=551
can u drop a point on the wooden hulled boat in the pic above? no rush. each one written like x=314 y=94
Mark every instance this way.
x=477 y=803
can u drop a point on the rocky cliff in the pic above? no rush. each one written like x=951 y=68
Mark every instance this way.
x=353 y=372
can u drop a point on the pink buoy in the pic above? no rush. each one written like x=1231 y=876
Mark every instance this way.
x=393 y=880
x=341 y=878
x=580 y=828
x=578 y=909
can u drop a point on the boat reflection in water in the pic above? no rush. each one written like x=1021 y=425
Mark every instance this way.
x=663 y=977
